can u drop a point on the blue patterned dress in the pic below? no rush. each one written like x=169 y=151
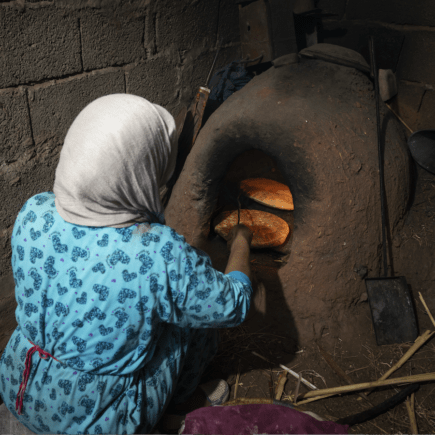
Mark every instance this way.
x=129 y=313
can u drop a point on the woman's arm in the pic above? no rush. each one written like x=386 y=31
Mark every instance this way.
x=239 y=257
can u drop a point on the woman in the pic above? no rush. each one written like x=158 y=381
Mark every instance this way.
x=116 y=312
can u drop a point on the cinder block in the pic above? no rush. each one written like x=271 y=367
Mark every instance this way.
x=333 y=7
x=108 y=5
x=421 y=13
x=37 y=44
x=15 y=132
x=388 y=42
x=184 y=24
x=228 y=27
x=156 y=80
x=54 y=106
x=197 y=66
x=110 y=40
x=417 y=63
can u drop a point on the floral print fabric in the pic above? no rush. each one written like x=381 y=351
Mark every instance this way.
x=129 y=312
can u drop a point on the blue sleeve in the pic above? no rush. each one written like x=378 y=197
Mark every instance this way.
x=199 y=296
x=241 y=277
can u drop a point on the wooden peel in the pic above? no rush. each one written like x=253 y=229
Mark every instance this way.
x=268 y=192
x=268 y=230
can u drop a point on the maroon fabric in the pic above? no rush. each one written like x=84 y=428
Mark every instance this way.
x=256 y=419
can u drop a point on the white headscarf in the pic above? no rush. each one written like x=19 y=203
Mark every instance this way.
x=117 y=153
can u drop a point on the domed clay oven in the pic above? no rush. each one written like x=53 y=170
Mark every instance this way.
x=314 y=124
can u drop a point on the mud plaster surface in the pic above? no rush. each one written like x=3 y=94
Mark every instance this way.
x=355 y=352
x=317 y=121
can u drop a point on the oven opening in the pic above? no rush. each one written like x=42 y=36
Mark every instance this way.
x=272 y=225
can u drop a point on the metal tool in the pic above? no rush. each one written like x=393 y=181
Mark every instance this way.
x=197 y=109
x=390 y=301
x=422 y=147
x=421 y=144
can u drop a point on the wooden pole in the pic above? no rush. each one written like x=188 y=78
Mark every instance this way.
x=427 y=308
x=366 y=385
x=411 y=413
x=417 y=344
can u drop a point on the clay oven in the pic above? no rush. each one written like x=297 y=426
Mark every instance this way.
x=313 y=125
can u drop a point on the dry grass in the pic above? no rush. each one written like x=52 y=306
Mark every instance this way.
x=373 y=362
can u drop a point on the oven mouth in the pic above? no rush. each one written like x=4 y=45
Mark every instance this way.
x=253 y=163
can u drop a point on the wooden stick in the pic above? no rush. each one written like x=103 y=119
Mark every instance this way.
x=366 y=385
x=271 y=385
x=237 y=382
x=297 y=388
x=427 y=308
x=417 y=344
x=280 y=387
x=399 y=118
x=337 y=369
x=313 y=399
x=411 y=413
x=308 y=384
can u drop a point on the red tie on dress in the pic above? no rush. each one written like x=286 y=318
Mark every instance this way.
x=26 y=373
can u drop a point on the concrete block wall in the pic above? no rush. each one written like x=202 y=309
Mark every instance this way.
x=57 y=56
x=404 y=34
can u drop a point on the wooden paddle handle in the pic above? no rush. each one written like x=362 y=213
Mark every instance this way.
x=198 y=108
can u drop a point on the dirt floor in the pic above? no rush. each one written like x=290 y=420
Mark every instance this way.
x=358 y=356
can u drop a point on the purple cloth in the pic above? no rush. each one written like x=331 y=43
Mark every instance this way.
x=256 y=419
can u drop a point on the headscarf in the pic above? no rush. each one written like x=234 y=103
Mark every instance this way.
x=119 y=151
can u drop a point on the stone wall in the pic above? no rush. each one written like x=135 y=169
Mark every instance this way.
x=58 y=56
x=404 y=33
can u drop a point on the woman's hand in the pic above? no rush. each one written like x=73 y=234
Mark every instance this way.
x=239 y=231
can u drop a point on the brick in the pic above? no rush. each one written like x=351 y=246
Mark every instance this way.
x=110 y=40
x=37 y=45
x=416 y=63
x=53 y=107
x=421 y=13
x=183 y=24
x=334 y=7
x=388 y=42
x=156 y=80
x=15 y=132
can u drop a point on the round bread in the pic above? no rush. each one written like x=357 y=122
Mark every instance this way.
x=268 y=192
x=269 y=230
